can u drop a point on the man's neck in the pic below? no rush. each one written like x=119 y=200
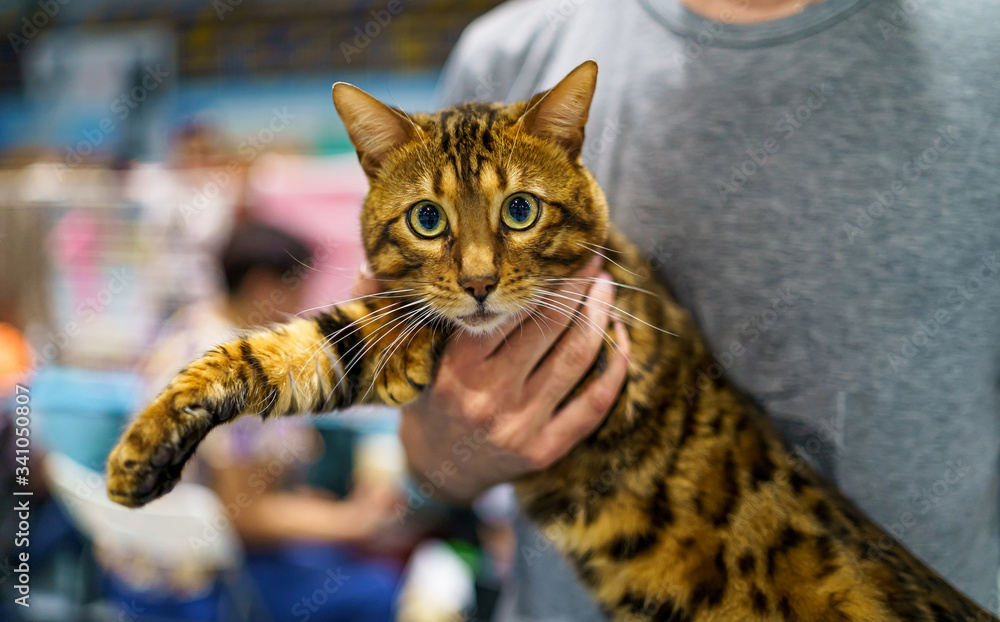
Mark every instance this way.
x=747 y=11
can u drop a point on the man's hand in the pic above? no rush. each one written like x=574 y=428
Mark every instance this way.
x=491 y=416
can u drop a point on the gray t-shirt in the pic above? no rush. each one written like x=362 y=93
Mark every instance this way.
x=823 y=192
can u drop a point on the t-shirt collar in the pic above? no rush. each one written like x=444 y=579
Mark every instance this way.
x=711 y=33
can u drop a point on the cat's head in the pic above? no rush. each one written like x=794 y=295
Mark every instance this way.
x=478 y=207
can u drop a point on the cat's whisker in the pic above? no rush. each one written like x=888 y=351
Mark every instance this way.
x=610 y=250
x=618 y=309
x=337 y=271
x=351 y=273
x=574 y=315
x=579 y=319
x=520 y=124
x=386 y=355
x=593 y=279
x=420 y=134
x=612 y=314
x=581 y=304
x=457 y=329
x=432 y=314
x=365 y=320
x=389 y=327
x=413 y=327
x=389 y=294
x=535 y=316
x=357 y=358
x=302 y=263
x=265 y=407
x=384 y=327
x=416 y=128
x=600 y=254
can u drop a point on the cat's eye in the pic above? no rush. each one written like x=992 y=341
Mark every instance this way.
x=427 y=219
x=519 y=210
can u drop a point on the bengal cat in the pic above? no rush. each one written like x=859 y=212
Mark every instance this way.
x=474 y=213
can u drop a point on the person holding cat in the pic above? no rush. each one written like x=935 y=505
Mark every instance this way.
x=685 y=502
x=817 y=182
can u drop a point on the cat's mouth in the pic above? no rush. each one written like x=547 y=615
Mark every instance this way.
x=482 y=320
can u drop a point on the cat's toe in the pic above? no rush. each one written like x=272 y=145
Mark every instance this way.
x=148 y=460
x=134 y=481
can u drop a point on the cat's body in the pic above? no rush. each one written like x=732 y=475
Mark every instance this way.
x=684 y=505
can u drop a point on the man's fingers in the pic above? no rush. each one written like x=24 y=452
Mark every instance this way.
x=466 y=349
x=576 y=351
x=527 y=344
x=364 y=284
x=585 y=412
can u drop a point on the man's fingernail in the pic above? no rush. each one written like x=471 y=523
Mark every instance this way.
x=365 y=270
x=603 y=281
x=621 y=338
x=596 y=261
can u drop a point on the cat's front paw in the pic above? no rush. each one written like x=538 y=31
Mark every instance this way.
x=407 y=372
x=148 y=460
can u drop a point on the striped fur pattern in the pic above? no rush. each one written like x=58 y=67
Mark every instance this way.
x=684 y=505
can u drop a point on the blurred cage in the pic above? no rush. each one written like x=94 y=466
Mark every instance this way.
x=23 y=265
x=72 y=251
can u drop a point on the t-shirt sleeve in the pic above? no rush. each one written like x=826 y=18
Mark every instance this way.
x=500 y=56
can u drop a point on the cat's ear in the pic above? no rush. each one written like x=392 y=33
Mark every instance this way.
x=374 y=128
x=561 y=112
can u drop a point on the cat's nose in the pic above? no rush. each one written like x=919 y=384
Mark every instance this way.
x=479 y=287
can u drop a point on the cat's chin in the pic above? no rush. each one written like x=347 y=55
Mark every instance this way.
x=481 y=322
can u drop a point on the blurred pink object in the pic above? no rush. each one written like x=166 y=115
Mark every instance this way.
x=75 y=242
x=318 y=199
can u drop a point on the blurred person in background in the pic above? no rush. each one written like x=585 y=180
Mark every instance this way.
x=189 y=207
x=295 y=537
x=817 y=182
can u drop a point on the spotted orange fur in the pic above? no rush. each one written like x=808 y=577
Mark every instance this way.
x=683 y=505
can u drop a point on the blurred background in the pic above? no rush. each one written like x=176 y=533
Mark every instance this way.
x=172 y=171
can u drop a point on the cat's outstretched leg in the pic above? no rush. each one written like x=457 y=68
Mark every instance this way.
x=363 y=352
